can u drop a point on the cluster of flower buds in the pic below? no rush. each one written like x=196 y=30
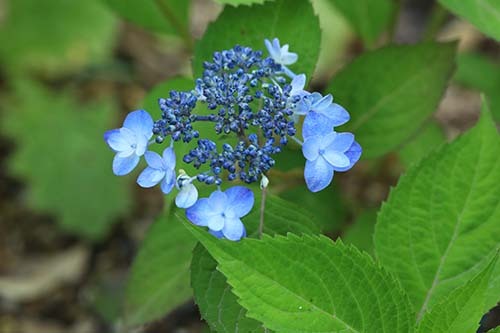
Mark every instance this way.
x=259 y=102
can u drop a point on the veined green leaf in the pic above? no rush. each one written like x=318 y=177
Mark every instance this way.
x=63 y=158
x=292 y=21
x=461 y=311
x=218 y=305
x=159 y=278
x=310 y=284
x=439 y=226
x=484 y=14
x=390 y=92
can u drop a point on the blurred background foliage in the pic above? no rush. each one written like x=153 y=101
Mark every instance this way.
x=69 y=70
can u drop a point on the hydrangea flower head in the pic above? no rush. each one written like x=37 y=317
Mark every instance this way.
x=255 y=99
x=130 y=141
x=221 y=212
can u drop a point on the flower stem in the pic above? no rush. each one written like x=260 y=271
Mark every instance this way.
x=203 y=118
x=262 y=209
x=297 y=140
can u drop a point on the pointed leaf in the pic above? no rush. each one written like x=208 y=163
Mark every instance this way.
x=218 y=305
x=437 y=229
x=461 y=311
x=390 y=92
x=310 y=284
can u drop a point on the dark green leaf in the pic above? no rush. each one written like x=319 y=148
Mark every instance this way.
x=292 y=21
x=159 y=280
x=63 y=158
x=390 y=92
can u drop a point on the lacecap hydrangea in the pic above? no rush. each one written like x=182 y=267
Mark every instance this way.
x=259 y=101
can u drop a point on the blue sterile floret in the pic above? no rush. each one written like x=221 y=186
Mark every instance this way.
x=221 y=212
x=130 y=141
x=258 y=101
x=160 y=169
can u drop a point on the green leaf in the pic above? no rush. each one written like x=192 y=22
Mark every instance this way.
x=482 y=74
x=461 y=311
x=164 y=16
x=240 y=2
x=218 y=305
x=292 y=21
x=310 y=284
x=438 y=227
x=159 y=278
x=484 y=14
x=55 y=35
x=360 y=233
x=326 y=206
x=430 y=138
x=368 y=18
x=63 y=158
x=390 y=92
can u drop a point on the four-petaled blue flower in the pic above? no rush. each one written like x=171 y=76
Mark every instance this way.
x=279 y=53
x=160 y=169
x=130 y=141
x=221 y=212
x=325 y=150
